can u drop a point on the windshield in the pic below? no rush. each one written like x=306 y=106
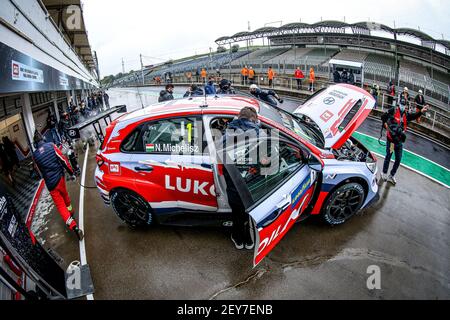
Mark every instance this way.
x=304 y=129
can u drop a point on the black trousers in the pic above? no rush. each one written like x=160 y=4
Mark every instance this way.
x=299 y=84
x=398 y=150
x=241 y=227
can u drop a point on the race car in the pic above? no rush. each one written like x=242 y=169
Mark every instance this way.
x=159 y=165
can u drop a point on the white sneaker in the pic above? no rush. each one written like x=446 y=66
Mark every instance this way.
x=250 y=245
x=238 y=245
x=392 y=180
x=384 y=176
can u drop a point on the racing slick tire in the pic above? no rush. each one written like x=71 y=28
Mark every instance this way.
x=132 y=208
x=343 y=204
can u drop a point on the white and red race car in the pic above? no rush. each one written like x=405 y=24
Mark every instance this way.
x=158 y=165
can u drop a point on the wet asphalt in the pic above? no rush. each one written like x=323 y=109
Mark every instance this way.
x=405 y=234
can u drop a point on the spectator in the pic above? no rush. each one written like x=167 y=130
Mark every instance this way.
x=404 y=99
x=166 y=95
x=194 y=91
x=270 y=76
x=218 y=74
x=251 y=76
x=299 y=76
x=210 y=88
x=344 y=76
x=10 y=149
x=312 y=79
x=64 y=126
x=7 y=166
x=189 y=76
x=374 y=92
x=420 y=104
x=244 y=73
x=351 y=78
x=106 y=97
x=204 y=74
x=52 y=126
x=336 y=76
x=391 y=94
x=197 y=76
x=397 y=119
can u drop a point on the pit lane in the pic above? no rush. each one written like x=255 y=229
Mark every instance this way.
x=405 y=234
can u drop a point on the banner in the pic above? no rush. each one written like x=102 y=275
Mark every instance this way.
x=21 y=73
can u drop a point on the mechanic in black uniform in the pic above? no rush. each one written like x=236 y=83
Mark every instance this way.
x=269 y=96
x=166 y=95
x=225 y=87
x=396 y=123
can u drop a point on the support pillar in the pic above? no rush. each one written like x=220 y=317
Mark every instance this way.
x=55 y=106
x=27 y=113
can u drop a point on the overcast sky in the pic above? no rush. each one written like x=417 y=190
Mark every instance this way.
x=162 y=30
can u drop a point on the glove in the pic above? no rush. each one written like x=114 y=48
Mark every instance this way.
x=72 y=178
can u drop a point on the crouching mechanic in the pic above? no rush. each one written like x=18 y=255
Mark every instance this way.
x=396 y=123
x=51 y=163
x=269 y=96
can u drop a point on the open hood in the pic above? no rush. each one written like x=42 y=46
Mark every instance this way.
x=338 y=111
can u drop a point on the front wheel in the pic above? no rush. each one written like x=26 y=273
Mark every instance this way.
x=343 y=204
x=131 y=208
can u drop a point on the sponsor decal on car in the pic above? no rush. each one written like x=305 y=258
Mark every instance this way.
x=326 y=116
x=189 y=186
x=114 y=168
x=300 y=191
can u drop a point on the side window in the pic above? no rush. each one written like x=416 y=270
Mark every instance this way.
x=289 y=159
x=178 y=135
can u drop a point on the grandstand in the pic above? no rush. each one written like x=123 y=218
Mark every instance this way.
x=424 y=62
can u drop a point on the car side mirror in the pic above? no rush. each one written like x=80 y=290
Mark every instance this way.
x=122 y=109
x=313 y=163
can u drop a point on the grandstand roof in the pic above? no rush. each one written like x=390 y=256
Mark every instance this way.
x=415 y=33
x=330 y=26
x=445 y=43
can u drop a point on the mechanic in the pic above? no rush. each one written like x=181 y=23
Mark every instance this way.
x=270 y=76
x=312 y=79
x=241 y=237
x=244 y=74
x=210 y=88
x=251 y=76
x=166 y=95
x=269 y=96
x=225 y=87
x=396 y=123
x=51 y=164
x=194 y=91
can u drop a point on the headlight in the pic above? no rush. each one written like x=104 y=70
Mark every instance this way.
x=372 y=166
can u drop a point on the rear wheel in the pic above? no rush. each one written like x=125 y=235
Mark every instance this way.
x=131 y=208
x=343 y=204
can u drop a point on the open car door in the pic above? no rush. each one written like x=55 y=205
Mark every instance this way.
x=275 y=197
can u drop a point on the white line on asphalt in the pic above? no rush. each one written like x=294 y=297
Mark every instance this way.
x=83 y=258
x=415 y=170
x=414 y=154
